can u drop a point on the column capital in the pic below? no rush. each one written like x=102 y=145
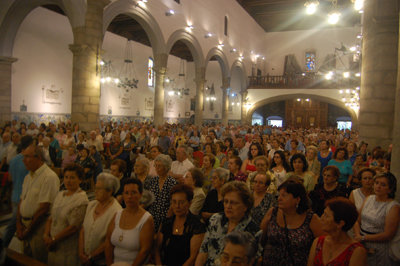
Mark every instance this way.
x=7 y=60
x=78 y=49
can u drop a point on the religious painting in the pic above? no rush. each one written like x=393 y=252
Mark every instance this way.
x=148 y=103
x=310 y=61
x=169 y=105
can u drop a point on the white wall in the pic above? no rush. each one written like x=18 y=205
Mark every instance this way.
x=44 y=60
x=279 y=44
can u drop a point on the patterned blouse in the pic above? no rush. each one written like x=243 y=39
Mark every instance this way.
x=217 y=229
x=257 y=213
x=160 y=206
x=286 y=248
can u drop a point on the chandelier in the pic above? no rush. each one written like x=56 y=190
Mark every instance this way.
x=127 y=76
x=178 y=86
x=107 y=72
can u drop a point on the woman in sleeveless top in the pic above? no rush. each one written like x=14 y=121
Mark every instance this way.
x=248 y=165
x=357 y=196
x=130 y=233
x=337 y=248
x=289 y=230
x=279 y=168
x=379 y=220
x=324 y=156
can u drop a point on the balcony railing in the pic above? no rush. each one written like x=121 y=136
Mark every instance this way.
x=300 y=81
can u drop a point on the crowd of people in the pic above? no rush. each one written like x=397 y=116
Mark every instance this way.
x=211 y=195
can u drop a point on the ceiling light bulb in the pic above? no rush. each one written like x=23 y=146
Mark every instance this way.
x=333 y=17
x=340 y=91
x=233 y=50
x=311 y=7
x=299 y=100
x=170 y=12
x=358 y=74
x=353 y=48
x=346 y=74
x=102 y=63
x=358 y=4
x=208 y=35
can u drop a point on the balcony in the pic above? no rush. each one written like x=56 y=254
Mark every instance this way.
x=304 y=80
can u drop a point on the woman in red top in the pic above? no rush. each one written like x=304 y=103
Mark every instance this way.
x=248 y=165
x=337 y=247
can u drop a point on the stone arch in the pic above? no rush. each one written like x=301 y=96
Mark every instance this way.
x=222 y=60
x=191 y=42
x=144 y=18
x=239 y=64
x=340 y=104
x=18 y=10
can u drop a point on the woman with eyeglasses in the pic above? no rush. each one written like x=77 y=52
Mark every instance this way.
x=263 y=200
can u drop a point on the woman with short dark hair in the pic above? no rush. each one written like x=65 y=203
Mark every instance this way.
x=195 y=178
x=289 y=229
x=180 y=236
x=340 y=160
x=298 y=163
x=337 y=246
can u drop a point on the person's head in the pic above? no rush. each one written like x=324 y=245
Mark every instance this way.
x=341 y=154
x=71 y=150
x=219 y=177
x=194 y=177
x=234 y=164
x=209 y=148
x=132 y=191
x=294 y=143
x=106 y=186
x=323 y=145
x=261 y=163
x=228 y=142
x=239 y=142
x=238 y=200
x=219 y=146
x=154 y=152
x=208 y=160
x=182 y=153
x=181 y=198
x=351 y=146
x=162 y=164
x=311 y=152
x=293 y=195
x=25 y=142
x=84 y=152
x=16 y=138
x=261 y=182
x=240 y=248
x=298 y=163
x=366 y=177
x=73 y=175
x=142 y=166
x=385 y=184
x=118 y=168
x=340 y=214
x=255 y=150
x=6 y=137
x=330 y=174
x=33 y=157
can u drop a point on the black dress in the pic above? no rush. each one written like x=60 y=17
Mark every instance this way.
x=211 y=203
x=175 y=249
x=319 y=196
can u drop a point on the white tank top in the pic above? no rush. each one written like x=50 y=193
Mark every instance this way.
x=126 y=242
x=359 y=198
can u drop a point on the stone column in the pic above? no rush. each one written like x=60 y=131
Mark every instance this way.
x=5 y=87
x=379 y=72
x=243 y=116
x=200 y=80
x=395 y=166
x=225 y=101
x=86 y=67
x=160 y=67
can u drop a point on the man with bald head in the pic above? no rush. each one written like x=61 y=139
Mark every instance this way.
x=39 y=189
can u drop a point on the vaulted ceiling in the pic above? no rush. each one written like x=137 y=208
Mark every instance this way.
x=287 y=15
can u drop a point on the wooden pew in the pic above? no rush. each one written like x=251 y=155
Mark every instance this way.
x=18 y=259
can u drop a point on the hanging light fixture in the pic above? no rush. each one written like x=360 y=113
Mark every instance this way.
x=107 y=72
x=334 y=15
x=178 y=85
x=311 y=6
x=127 y=76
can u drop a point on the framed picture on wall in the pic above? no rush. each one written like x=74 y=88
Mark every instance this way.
x=149 y=103
x=169 y=105
x=51 y=94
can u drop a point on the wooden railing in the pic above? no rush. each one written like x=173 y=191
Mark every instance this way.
x=298 y=81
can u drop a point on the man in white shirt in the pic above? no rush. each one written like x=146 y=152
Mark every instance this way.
x=240 y=145
x=39 y=189
x=94 y=141
x=182 y=163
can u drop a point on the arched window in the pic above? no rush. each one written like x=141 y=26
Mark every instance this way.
x=150 y=73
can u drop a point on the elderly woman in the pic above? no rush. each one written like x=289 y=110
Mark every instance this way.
x=195 y=178
x=160 y=186
x=98 y=216
x=239 y=248
x=262 y=165
x=298 y=163
x=214 y=201
x=340 y=160
x=327 y=190
x=179 y=239
x=263 y=200
x=357 y=196
x=208 y=169
x=67 y=213
x=337 y=247
x=314 y=166
x=141 y=169
x=289 y=229
x=131 y=232
x=379 y=220
x=238 y=202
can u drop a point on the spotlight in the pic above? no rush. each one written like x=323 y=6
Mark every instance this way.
x=233 y=50
x=357 y=74
x=307 y=100
x=208 y=35
x=311 y=7
x=298 y=99
x=340 y=91
x=346 y=75
x=333 y=17
x=358 y=5
x=329 y=75
x=170 y=13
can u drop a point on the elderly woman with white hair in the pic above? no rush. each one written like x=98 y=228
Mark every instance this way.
x=161 y=186
x=98 y=216
x=314 y=165
x=141 y=170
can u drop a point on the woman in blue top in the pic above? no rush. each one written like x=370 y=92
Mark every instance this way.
x=324 y=156
x=340 y=160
